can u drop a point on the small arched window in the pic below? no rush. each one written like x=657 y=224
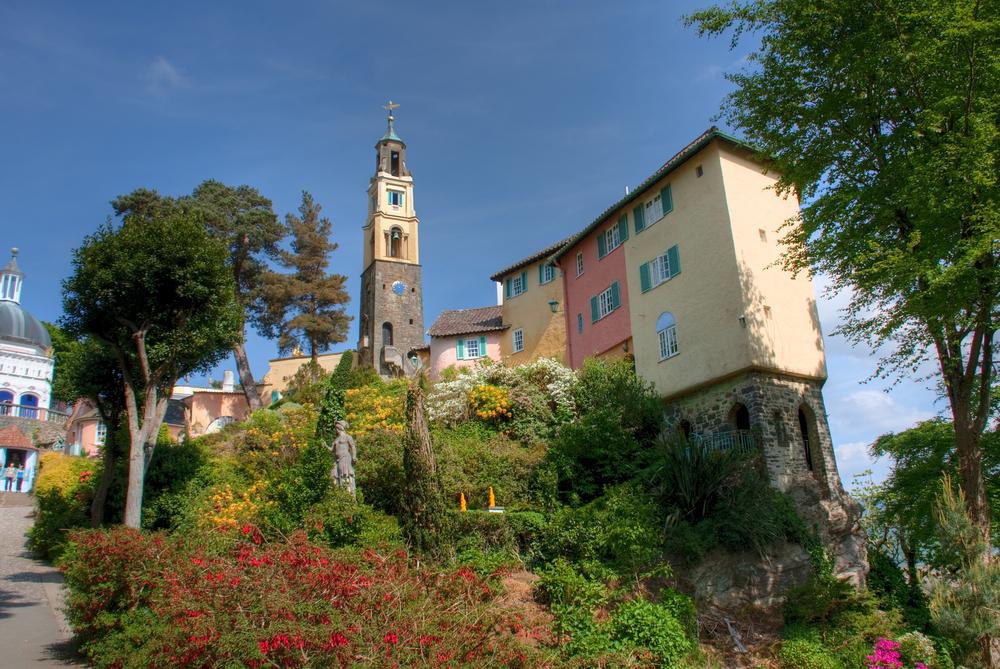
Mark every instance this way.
x=807 y=450
x=666 y=332
x=386 y=334
x=6 y=398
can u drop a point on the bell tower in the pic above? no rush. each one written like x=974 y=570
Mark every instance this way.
x=392 y=311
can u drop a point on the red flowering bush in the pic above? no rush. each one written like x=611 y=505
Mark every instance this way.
x=146 y=600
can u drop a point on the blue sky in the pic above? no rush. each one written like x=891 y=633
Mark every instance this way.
x=523 y=121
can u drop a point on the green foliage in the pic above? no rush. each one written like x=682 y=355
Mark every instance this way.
x=806 y=653
x=609 y=442
x=965 y=601
x=295 y=490
x=339 y=520
x=511 y=534
x=561 y=584
x=888 y=584
x=307 y=384
x=305 y=309
x=170 y=470
x=379 y=472
x=642 y=624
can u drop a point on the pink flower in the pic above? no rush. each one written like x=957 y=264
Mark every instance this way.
x=391 y=638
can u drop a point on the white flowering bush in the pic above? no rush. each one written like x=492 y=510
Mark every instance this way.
x=541 y=393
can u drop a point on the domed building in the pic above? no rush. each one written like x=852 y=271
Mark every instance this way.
x=26 y=365
x=25 y=351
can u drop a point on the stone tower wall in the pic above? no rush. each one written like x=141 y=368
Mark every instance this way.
x=773 y=402
x=379 y=304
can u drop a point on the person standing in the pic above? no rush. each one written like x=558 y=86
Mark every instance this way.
x=20 y=477
x=8 y=477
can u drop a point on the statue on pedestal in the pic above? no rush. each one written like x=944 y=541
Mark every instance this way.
x=345 y=452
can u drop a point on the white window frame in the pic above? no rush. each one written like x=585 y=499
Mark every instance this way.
x=469 y=345
x=579 y=263
x=612 y=239
x=653 y=210
x=659 y=270
x=517 y=340
x=516 y=285
x=548 y=273
x=101 y=433
x=605 y=305
x=668 y=342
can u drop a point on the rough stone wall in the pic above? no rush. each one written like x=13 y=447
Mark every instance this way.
x=379 y=304
x=773 y=402
x=40 y=432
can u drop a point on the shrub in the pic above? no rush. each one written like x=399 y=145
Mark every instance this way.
x=171 y=468
x=379 y=472
x=490 y=403
x=63 y=490
x=147 y=601
x=561 y=584
x=339 y=520
x=512 y=533
x=641 y=624
x=806 y=653
x=376 y=407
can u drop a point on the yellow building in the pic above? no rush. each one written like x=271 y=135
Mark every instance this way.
x=533 y=309
x=733 y=309
x=281 y=370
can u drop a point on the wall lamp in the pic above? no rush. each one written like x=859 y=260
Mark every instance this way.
x=554 y=306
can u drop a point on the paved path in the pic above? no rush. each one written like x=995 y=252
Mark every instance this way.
x=33 y=632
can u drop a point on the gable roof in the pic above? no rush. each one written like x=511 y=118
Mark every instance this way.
x=467 y=321
x=675 y=161
x=544 y=253
x=11 y=437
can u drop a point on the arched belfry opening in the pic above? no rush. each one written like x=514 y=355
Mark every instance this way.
x=395 y=249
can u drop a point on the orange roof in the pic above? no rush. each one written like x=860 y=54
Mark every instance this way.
x=11 y=437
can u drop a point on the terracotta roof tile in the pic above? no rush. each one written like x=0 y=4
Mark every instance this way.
x=467 y=321
x=11 y=437
x=544 y=253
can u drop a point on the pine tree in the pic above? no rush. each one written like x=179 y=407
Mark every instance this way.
x=305 y=309
x=424 y=516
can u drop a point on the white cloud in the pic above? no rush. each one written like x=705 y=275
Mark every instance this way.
x=875 y=411
x=162 y=77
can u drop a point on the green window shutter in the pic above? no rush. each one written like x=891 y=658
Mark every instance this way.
x=594 y=314
x=482 y=345
x=461 y=349
x=541 y=274
x=638 y=219
x=602 y=246
x=644 y=281
x=623 y=228
x=524 y=281
x=674 y=258
x=579 y=325
x=666 y=199
x=616 y=298
x=507 y=288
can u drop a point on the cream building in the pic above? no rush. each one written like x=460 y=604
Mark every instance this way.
x=281 y=370
x=532 y=307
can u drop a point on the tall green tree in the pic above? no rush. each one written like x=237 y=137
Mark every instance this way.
x=306 y=308
x=882 y=117
x=156 y=291
x=244 y=220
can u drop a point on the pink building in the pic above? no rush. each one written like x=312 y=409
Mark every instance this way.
x=86 y=432
x=462 y=337
x=596 y=290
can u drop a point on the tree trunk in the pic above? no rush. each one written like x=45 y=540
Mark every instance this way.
x=143 y=431
x=107 y=474
x=246 y=376
x=970 y=471
x=136 y=479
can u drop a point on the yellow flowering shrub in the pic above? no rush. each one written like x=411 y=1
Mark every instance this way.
x=274 y=438
x=490 y=403
x=230 y=509
x=61 y=473
x=376 y=407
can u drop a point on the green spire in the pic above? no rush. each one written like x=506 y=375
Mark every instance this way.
x=390 y=132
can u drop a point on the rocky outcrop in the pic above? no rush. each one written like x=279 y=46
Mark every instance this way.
x=738 y=581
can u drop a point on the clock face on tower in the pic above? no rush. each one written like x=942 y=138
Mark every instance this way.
x=398 y=287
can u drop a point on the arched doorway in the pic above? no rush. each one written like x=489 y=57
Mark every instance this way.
x=739 y=417
x=387 y=334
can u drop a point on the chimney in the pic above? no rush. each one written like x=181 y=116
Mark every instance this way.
x=499 y=294
x=228 y=382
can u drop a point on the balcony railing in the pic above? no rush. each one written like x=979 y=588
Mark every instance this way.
x=30 y=412
x=737 y=441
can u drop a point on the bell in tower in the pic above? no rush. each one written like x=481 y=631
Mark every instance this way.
x=392 y=315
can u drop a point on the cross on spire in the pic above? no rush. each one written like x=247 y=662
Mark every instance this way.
x=390 y=106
